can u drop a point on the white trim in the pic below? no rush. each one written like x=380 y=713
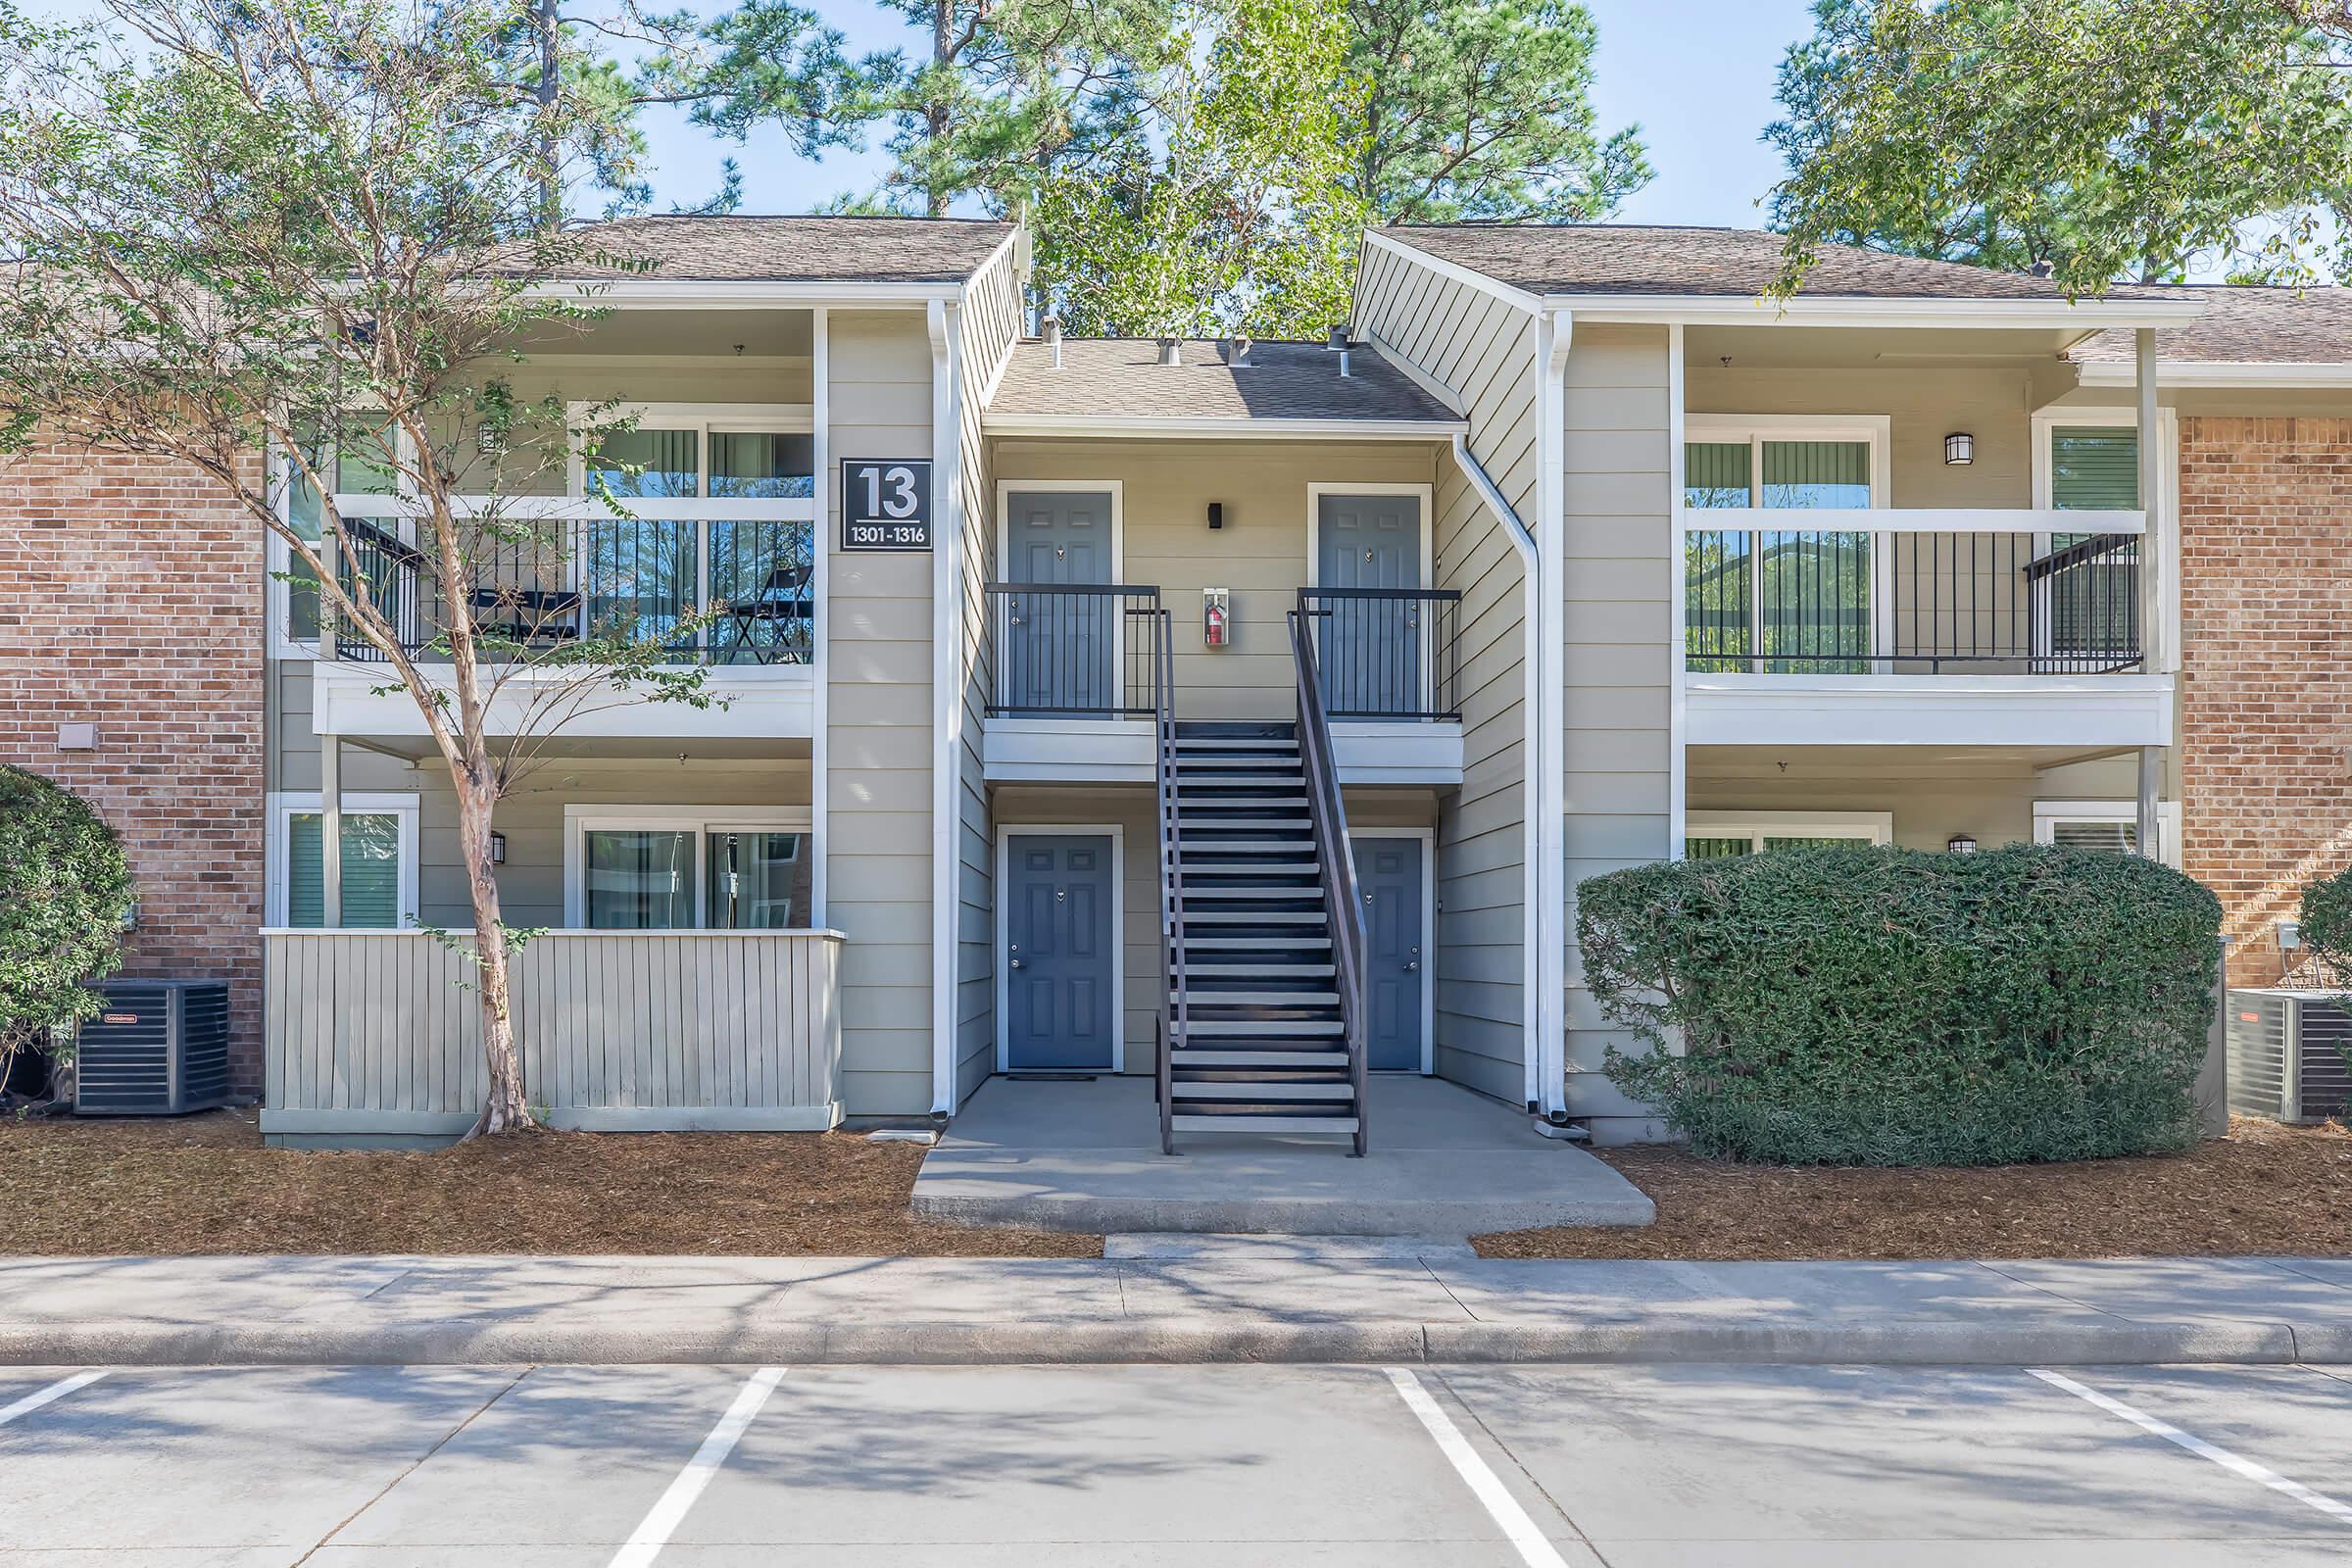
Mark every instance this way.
x=1519 y=297
x=1876 y=827
x=1427 y=839
x=1678 y=607
x=2315 y=375
x=680 y=294
x=581 y=820
x=1922 y=310
x=1116 y=489
x=1001 y=956
x=1546 y=1077
x=564 y=931
x=277 y=838
x=2047 y=814
x=2165 y=518
x=1238 y=428
x=1906 y=519
x=821 y=632
x=2071 y=711
x=942 y=324
x=1419 y=377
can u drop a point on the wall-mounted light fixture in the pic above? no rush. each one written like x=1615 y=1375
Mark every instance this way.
x=498 y=848
x=1216 y=514
x=1961 y=844
x=1959 y=449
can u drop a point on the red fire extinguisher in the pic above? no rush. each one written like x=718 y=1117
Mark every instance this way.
x=1213 y=623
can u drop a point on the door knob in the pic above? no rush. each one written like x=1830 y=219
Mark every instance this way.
x=1016 y=963
x=1410 y=965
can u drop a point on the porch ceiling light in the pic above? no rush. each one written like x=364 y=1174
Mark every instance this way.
x=1961 y=844
x=1959 y=449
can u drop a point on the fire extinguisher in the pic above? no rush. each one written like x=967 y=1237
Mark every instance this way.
x=1214 y=621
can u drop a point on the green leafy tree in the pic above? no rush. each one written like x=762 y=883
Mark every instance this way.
x=65 y=900
x=1482 y=109
x=2114 y=139
x=315 y=229
x=1234 y=211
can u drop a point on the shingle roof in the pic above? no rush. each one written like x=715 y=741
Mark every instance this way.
x=734 y=249
x=1122 y=378
x=2244 y=325
x=1654 y=259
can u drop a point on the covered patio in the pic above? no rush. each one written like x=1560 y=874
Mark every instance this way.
x=1084 y=1156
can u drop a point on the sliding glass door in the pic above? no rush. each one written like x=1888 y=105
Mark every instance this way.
x=1777 y=601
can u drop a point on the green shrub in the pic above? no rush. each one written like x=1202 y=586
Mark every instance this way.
x=65 y=896
x=2327 y=922
x=1880 y=1006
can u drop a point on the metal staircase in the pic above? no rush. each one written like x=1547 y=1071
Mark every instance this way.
x=1259 y=1031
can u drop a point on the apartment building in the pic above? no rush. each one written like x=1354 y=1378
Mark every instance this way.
x=1238 y=717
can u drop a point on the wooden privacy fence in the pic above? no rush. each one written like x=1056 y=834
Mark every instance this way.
x=378 y=1034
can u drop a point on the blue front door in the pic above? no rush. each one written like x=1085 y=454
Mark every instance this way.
x=1058 y=952
x=1058 y=647
x=1388 y=878
x=1370 y=646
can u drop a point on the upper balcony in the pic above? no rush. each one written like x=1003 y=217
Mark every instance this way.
x=1072 y=667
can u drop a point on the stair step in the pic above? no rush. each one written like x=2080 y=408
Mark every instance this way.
x=1193 y=800
x=1265 y=868
x=1271 y=824
x=1264 y=1091
x=1280 y=894
x=1237 y=743
x=1290 y=846
x=1197 y=1056
x=1247 y=917
x=1248 y=945
x=1200 y=1122
x=1268 y=1028
x=1258 y=972
x=1262 y=998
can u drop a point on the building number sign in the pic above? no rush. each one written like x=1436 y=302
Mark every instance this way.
x=885 y=504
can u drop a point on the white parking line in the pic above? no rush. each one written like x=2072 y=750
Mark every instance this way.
x=53 y=1392
x=654 y=1532
x=2197 y=1445
x=1534 y=1549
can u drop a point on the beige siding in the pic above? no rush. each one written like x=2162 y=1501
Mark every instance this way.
x=1617 y=560
x=1130 y=811
x=990 y=322
x=879 y=729
x=377 y=1035
x=1260 y=554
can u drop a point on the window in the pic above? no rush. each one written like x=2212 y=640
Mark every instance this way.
x=1781 y=602
x=670 y=868
x=1727 y=835
x=2112 y=825
x=378 y=859
x=357 y=453
x=643 y=577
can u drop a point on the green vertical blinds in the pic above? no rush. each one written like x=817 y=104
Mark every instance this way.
x=2094 y=468
x=370 y=870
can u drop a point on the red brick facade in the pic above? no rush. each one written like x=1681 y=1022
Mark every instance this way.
x=131 y=599
x=2266 y=605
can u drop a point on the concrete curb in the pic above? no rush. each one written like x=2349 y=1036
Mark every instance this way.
x=1173 y=1340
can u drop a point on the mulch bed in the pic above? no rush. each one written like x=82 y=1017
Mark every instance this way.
x=208 y=1184
x=2265 y=1189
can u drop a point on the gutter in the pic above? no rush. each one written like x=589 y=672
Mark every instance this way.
x=947 y=696
x=1547 y=1062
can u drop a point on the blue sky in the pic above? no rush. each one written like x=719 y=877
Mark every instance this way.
x=1696 y=74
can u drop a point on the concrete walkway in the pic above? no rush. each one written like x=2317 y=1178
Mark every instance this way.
x=1248 y=1300
x=1085 y=1157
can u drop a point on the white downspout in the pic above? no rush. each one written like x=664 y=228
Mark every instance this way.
x=1548 y=1060
x=947 y=695
x=820 y=372
x=1539 y=840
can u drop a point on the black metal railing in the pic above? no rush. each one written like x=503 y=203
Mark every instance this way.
x=1911 y=603
x=720 y=592
x=1327 y=810
x=1074 y=650
x=1384 y=653
x=1175 y=1008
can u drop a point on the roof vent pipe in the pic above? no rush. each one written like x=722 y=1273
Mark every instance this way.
x=1051 y=327
x=2043 y=268
x=1237 y=351
x=1338 y=338
x=1171 y=351
x=1342 y=362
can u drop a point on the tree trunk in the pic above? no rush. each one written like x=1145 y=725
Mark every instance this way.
x=935 y=117
x=550 y=180
x=506 y=1109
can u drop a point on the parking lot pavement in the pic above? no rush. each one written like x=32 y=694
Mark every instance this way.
x=1533 y=1466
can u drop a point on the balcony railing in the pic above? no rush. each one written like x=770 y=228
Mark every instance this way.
x=1073 y=650
x=718 y=590
x=1384 y=653
x=1910 y=603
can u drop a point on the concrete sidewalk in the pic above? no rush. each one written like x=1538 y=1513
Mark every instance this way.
x=1252 y=1299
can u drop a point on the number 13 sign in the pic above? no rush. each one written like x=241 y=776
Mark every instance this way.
x=885 y=504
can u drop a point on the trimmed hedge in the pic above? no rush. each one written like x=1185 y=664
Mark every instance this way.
x=1879 y=1007
x=2327 y=923
x=65 y=893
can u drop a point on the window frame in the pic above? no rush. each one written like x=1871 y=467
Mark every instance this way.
x=284 y=805
x=581 y=820
x=278 y=482
x=2162 y=520
x=1877 y=431
x=2047 y=814
x=1872 y=827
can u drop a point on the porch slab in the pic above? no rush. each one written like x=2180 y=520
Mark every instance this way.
x=1085 y=1157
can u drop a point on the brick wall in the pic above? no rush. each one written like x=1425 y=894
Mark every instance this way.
x=2266 y=546
x=131 y=597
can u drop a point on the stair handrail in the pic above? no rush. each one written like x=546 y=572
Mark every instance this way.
x=1174 y=1012
x=1329 y=814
